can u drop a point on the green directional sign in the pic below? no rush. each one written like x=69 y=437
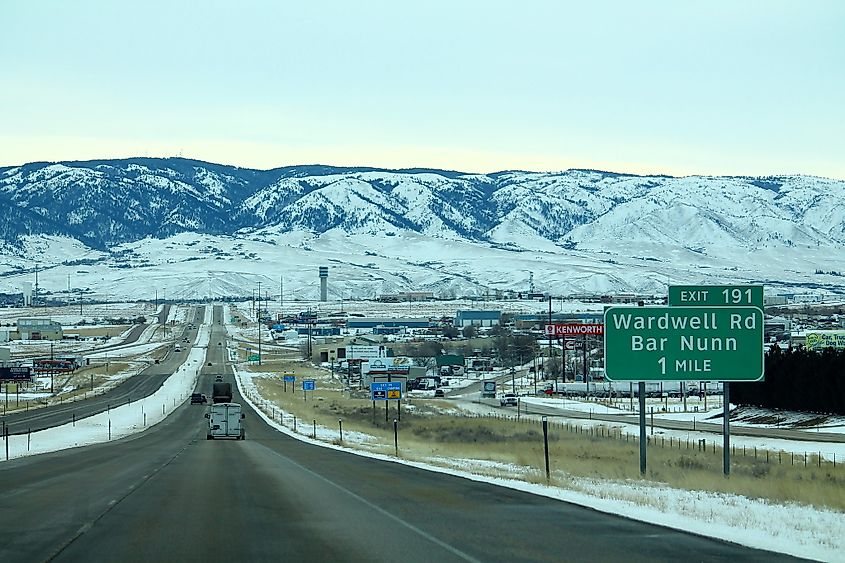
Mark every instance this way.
x=716 y=295
x=683 y=343
x=253 y=358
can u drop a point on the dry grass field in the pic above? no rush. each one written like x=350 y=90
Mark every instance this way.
x=430 y=432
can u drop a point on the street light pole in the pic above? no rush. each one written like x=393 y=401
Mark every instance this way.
x=259 y=323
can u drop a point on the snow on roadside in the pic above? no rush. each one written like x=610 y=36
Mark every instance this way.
x=123 y=420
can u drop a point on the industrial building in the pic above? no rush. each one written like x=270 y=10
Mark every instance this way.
x=477 y=318
x=39 y=329
x=373 y=322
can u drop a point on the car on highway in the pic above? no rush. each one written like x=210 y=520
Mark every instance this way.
x=508 y=400
x=198 y=399
x=438 y=393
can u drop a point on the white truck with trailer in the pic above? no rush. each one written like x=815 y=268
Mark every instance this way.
x=225 y=420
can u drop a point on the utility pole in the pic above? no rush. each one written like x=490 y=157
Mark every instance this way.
x=259 y=322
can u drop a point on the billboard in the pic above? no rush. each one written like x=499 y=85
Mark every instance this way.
x=357 y=352
x=398 y=365
x=821 y=339
x=16 y=374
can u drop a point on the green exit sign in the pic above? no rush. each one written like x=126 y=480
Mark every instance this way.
x=716 y=296
x=683 y=343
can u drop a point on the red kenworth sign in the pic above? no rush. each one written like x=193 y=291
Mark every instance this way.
x=575 y=329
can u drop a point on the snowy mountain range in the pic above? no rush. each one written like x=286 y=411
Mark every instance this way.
x=118 y=227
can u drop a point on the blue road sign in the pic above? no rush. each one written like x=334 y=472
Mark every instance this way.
x=309 y=385
x=384 y=390
x=289 y=378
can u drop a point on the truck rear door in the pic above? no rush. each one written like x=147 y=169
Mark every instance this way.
x=233 y=420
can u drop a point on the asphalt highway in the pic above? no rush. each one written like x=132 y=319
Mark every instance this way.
x=136 y=387
x=169 y=494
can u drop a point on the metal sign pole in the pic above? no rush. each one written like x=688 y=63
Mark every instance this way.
x=726 y=425
x=641 y=387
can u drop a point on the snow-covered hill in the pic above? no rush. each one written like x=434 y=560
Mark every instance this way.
x=121 y=227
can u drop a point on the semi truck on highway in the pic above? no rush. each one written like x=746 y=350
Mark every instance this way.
x=221 y=392
x=225 y=421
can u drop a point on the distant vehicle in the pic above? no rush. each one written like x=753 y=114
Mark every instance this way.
x=439 y=393
x=224 y=421
x=554 y=388
x=177 y=348
x=221 y=393
x=198 y=399
x=426 y=383
x=508 y=400
x=218 y=377
x=184 y=340
x=53 y=366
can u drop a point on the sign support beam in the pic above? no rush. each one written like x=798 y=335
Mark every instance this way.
x=726 y=425
x=641 y=387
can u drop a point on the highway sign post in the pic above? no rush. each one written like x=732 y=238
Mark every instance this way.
x=720 y=296
x=710 y=333
x=308 y=385
x=386 y=391
x=288 y=378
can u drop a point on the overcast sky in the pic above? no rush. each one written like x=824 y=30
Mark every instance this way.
x=711 y=87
